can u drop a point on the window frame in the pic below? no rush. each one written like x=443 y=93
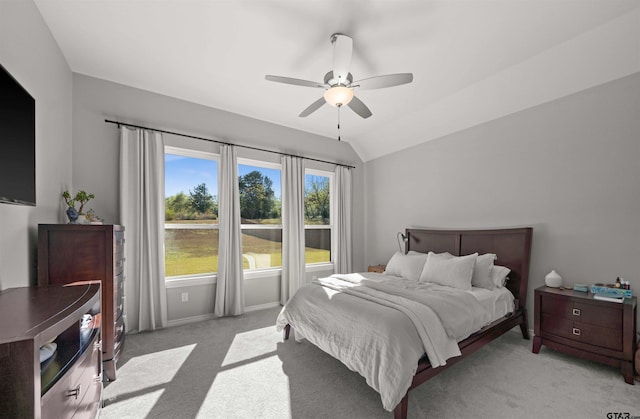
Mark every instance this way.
x=267 y=165
x=330 y=226
x=198 y=278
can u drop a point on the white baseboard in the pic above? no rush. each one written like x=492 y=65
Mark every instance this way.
x=261 y=307
x=187 y=320
x=202 y=317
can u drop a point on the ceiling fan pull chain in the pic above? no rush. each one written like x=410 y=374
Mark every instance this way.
x=339 y=123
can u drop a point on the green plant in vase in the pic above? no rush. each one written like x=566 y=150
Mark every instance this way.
x=80 y=197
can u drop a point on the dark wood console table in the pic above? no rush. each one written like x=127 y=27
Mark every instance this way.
x=69 y=384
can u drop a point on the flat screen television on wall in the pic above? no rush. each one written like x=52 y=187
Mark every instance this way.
x=17 y=142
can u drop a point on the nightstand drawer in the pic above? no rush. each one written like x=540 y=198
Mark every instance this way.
x=583 y=332
x=596 y=314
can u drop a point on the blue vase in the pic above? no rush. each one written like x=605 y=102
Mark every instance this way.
x=72 y=214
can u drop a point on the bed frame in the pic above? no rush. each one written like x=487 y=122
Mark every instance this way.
x=513 y=248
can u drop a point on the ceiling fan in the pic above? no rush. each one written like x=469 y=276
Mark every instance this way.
x=339 y=84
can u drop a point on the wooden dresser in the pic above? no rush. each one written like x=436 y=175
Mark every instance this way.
x=69 y=383
x=575 y=323
x=75 y=252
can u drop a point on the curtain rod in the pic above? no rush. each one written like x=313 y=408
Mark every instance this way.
x=223 y=142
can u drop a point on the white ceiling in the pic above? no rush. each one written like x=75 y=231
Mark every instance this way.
x=472 y=60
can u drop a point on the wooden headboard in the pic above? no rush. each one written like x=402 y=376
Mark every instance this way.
x=511 y=245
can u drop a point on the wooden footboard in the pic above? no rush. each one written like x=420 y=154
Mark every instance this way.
x=467 y=347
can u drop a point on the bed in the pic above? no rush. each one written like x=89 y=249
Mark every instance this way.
x=407 y=352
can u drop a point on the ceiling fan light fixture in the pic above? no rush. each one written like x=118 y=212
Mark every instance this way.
x=338 y=96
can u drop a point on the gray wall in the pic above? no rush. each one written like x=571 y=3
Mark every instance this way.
x=29 y=53
x=96 y=149
x=569 y=168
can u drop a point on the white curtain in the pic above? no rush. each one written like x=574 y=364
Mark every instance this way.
x=293 y=262
x=230 y=286
x=343 y=220
x=142 y=215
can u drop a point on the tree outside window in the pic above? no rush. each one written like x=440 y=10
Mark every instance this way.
x=191 y=213
x=259 y=185
x=317 y=216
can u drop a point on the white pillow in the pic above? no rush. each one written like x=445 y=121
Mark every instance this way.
x=449 y=270
x=407 y=266
x=482 y=272
x=499 y=275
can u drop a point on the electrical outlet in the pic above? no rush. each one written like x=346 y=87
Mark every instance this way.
x=185 y=297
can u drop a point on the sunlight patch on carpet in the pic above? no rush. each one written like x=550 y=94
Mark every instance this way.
x=143 y=402
x=149 y=371
x=252 y=344
x=264 y=395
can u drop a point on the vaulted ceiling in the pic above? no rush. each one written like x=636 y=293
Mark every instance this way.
x=472 y=61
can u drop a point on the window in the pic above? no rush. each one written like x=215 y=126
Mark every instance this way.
x=317 y=216
x=260 y=211
x=191 y=213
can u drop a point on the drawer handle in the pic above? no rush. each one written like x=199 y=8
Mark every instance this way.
x=576 y=311
x=75 y=392
x=576 y=331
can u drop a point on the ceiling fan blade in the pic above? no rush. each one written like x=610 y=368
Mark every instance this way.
x=360 y=108
x=379 y=82
x=342 y=52
x=312 y=108
x=297 y=82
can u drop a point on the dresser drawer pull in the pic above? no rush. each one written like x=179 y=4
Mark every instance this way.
x=576 y=311
x=576 y=331
x=75 y=392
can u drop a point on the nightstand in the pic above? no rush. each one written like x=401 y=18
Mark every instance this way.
x=575 y=323
x=376 y=268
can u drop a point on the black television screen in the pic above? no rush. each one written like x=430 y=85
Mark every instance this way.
x=17 y=142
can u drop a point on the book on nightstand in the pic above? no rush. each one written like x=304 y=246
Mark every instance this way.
x=610 y=292
x=581 y=287
x=608 y=297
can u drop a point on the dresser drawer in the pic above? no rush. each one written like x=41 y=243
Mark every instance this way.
x=118 y=293
x=596 y=314
x=119 y=308
x=119 y=340
x=67 y=395
x=58 y=402
x=118 y=265
x=118 y=331
x=610 y=338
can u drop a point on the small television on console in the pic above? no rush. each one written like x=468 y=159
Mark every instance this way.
x=17 y=142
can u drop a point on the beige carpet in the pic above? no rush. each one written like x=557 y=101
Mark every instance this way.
x=241 y=368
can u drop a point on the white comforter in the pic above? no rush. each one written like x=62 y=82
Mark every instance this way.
x=380 y=325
